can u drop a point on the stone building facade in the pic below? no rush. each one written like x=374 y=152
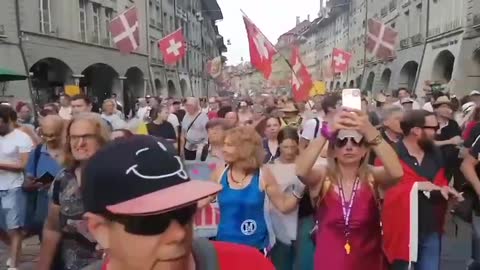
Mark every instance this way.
x=439 y=41
x=59 y=42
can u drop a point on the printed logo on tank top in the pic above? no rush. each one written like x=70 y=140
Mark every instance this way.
x=248 y=227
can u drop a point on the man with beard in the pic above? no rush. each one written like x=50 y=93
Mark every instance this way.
x=15 y=146
x=412 y=227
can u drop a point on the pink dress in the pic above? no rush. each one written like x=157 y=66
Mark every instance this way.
x=365 y=234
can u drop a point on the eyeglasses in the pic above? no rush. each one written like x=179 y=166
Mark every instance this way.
x=155 y=224
x=339 y=143
x=85 y=137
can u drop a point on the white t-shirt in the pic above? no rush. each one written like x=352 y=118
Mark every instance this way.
x=285 y=225
x=309 y=127
x=173 y=119
x=11 y=146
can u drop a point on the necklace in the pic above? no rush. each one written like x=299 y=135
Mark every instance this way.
x=240 y=183
x=347 y=211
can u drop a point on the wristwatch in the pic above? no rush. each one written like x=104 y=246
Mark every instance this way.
x=376 y=141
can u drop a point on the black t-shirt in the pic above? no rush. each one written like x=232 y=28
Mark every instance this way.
x=180 y=115
x=449 y=152
x=473 y=136
x=164 y=130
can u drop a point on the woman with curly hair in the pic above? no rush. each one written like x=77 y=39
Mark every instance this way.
x=246 y=186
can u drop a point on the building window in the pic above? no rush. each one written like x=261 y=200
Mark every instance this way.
x=45 y=25
x=152 y=13
x=108 y=35
x=96 y=23
x=83 y=20
x=159 y=16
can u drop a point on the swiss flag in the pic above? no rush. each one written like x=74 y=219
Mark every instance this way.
x=173 y=47
x=381 y=39
x=125 y=32
x=301 y=79
x=340 y=60
x=262 y=50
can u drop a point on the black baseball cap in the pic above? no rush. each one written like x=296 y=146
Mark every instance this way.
x=139 y=176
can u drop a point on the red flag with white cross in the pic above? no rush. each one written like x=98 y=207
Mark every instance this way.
x=340 y=60
x=381 y=39
x=173 y=47
x=262 y=50
x=125 y=31
x=301 y=79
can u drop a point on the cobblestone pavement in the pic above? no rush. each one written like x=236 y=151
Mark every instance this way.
x=456 y=249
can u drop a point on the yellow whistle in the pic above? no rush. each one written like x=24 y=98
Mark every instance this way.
x=347 y=248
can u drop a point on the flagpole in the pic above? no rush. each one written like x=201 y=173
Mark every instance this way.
x=149 y=49
x=365 y=45
x=281 y=55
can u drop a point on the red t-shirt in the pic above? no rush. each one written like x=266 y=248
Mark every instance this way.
x=212 y=115
x=236 y=257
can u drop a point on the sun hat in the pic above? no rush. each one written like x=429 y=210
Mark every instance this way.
x=140 y=176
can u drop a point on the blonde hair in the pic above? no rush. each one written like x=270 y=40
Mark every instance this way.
x=250 y=150
x=332 y=176
x=102 y=130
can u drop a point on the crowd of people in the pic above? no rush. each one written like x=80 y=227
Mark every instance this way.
x=311 y=185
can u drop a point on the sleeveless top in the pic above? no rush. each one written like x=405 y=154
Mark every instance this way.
x=242 y=214
x=365 y=233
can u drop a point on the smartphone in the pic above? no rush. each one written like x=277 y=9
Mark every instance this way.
x=46 y=178
x=352 y=98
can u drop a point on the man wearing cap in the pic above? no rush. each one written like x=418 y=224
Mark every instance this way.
x=152 y=208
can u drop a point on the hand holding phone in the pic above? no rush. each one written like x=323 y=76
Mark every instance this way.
x=352 y=98
x=45 y=179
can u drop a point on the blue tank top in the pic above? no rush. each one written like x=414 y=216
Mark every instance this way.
x=242 y=216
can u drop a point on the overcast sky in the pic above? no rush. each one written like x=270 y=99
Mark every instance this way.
x=273 y=17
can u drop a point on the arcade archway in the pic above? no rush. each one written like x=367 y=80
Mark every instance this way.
x=133 y=87
x=408 y=73
x=183 y=87
x=385 y=79
x=158 y=86
x=443 y=67
x=98 y=81
x=50 y=75
x=351 y=84
x=370 y=80
x=172 y=91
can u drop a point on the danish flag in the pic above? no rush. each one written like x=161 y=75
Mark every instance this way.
x=381 y=39
x=173 y=47
x=125 y=32
x=301 y=78
x=262 y=50
x=340 y=60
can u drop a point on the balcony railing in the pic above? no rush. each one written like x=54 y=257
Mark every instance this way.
x=404 y=43
x=476 y=20
x=417 y=39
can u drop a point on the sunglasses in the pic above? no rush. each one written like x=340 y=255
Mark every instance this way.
x=339 y=143
x=154 y=224
x=435 y=128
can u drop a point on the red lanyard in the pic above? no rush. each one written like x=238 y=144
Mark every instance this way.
x=347 y=211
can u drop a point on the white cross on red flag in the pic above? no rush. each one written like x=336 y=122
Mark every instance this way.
x=125 y=31
x=301 y=79
x=381 y=39
x=340 y=60
x=173 y=47
x=262 y=50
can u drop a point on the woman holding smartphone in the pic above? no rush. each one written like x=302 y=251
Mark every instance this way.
x=344 y=191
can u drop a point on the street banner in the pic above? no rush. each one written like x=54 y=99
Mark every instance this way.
x=207 y=218
x=125 y=30
x=214 y=67
x=262 y=50
x=173 y=47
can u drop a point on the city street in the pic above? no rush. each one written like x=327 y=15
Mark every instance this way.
x=456 y=250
